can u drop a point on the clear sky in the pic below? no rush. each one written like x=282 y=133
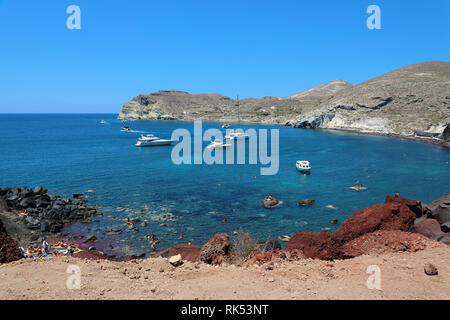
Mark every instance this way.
x=250 y=48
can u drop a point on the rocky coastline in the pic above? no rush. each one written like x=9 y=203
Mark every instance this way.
x=398 y=224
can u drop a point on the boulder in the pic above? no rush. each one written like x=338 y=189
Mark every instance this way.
x=176 y=260
x=188 y=252
x=440 y=209
x=27 y=203
x=217 y=250
x=39 y=190
x=430 y=228
x=45 y=226
x=430 y=270
x=308 y=202
x=90 y=238
x=32 y=223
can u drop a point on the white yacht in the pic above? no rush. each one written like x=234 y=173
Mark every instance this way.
x=236 y=135
x=217 y=144
x=303 y=166
x=150 y=140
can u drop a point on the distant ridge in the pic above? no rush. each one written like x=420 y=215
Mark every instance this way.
x=415 y=98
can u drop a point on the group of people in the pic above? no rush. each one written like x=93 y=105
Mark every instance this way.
x=155 y=241
x=44 y=249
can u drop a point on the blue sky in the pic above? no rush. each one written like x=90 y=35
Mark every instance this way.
x=250 y=48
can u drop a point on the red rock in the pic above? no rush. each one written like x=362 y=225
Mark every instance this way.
x=386 y=216
x=187 y=252
x=313 y=245
x=217 y=250
x=393 y=215
x=414 y=205
x=9 y=249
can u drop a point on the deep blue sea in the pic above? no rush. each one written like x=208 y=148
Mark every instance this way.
x=74 y=153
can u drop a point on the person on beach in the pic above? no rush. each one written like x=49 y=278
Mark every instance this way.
x=45 y=246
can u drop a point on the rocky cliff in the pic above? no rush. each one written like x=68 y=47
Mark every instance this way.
x=180 y=105
x=413 y=99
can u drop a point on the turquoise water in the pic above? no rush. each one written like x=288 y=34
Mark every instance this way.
x=75 y=153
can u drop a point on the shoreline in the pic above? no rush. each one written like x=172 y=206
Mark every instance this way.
x=433 y=141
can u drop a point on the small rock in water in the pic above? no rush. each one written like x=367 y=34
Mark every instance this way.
x=91 y=239
x=176 y=260
x=430 y=270
x=308 y=202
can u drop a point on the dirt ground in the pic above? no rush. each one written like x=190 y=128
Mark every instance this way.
x=402 y=277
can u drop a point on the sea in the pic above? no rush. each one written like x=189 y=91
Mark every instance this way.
x=76 y=153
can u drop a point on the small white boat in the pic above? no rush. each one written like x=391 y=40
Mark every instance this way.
x=126 y=129
x=236 y=135
x=103 y=122
x=217 y=144
x=146 y=141
x=303 y=166
x=225 y=126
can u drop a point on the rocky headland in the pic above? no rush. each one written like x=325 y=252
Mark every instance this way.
x=411 y=102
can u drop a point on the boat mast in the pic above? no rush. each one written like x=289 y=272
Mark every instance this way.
x=239 y=112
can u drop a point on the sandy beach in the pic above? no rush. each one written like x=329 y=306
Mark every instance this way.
x=402 y=277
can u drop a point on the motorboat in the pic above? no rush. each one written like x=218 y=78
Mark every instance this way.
x=126 y=129
x=103 y=122
x=236 y=135
x=152 y=142
x=225 y=126
x=303 y=166
x=218 y=144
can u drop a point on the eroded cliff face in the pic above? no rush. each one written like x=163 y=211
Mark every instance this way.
x=180 y=105
x=411 y=99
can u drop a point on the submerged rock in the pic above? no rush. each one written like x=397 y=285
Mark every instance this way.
x=302 y=203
